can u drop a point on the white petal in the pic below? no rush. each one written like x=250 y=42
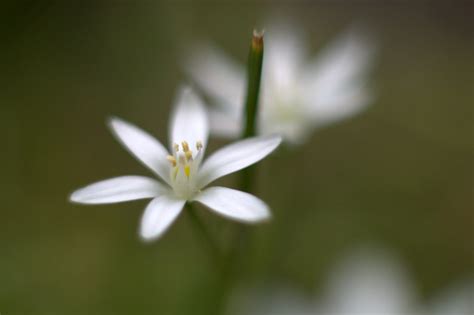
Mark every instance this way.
x=456 y=300
x=143 y=146
x=285 y=52
x=234 y=204
x=334 y=85
x=225 y=124
x=217 y=74
x=189 y=119
x=370 y=281
x=158 y=216
x=118 y=189
x=236 y=156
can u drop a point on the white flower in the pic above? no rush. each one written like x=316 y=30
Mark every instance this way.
x=182 y=172
x=296 y=96
x=368 y=281
x=455 y=300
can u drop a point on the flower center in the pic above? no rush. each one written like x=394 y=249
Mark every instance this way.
x=184 y=167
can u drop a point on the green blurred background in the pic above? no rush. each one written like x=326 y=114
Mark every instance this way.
x=400 y=174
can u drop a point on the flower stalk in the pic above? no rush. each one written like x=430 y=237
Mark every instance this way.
x=233 y=262
x=201 y=228
x=254 y=74
x=255 y=61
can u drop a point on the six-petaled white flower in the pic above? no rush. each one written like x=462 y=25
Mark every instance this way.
x=184 y=173
x=296 y=96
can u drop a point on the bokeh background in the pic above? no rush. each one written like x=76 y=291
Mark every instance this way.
x=400 y=174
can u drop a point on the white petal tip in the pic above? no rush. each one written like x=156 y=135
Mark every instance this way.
x=118 y=189
x=74 y=198
x=264 y=215
x=147 y=237
x=185 y=89
x=113 y=121
x=79 y=197
x=186 y=92
x=158 y=217
x=277 y=140
x=262 y=218
x=272 y=141
x=252 y=220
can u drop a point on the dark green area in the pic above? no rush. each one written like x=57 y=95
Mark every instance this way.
x=400 y=174
x=254 y=74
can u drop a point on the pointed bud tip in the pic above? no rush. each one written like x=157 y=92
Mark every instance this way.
x=257 y=39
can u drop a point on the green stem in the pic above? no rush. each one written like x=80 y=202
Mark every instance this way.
x=206 y=236
x=232 y=265
x=254 y=75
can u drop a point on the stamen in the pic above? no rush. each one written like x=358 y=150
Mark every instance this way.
x=176 y=147
x=189 y=155
x=175 y=173
x=172 y=160
x=199 y=145
x=182 y=159
x=185 y=146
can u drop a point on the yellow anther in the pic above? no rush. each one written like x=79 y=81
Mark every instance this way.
x=189 y=155
x=172 y=160
x=199 y=145
x=185 y=146
x=187 y=170
x=176 y=147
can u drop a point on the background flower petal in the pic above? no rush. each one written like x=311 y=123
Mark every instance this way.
x=334 y=85
x=285 y=53
x=217 y=74
x=225 y=124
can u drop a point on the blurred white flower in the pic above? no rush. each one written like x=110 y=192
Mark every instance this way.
x=368 y=281
x=182 y=173
x=457 y=300
x=297 y=95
